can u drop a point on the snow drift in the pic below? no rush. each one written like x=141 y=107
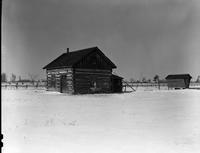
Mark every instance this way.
x=166 y=121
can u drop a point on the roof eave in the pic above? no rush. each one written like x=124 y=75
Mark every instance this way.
x=60 y=67
x=171 y=76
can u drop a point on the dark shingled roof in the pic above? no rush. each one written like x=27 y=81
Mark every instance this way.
x=71 y=58
x=178 y=76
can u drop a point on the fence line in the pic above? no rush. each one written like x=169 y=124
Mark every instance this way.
x=133 y=85
x=142 y=84
x=25 y=86
x=153 y=85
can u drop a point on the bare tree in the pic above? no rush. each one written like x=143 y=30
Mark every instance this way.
x=132 y=80
x=13 y=78
x=156 y=79
x=149 y=80
x=144 y=80
x=3 y=77
x=198 y=79
x=33 y=77
x=19 y=79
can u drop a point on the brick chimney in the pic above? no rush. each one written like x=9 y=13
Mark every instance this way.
x=67 y=50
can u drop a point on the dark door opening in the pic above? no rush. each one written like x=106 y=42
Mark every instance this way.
x=63 y=87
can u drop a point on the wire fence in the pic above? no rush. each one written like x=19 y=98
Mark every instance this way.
x=17 y=85
x=127 y=86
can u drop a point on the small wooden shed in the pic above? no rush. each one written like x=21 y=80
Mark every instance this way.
x=116 y=83
x=178 y=81
x=82 y=71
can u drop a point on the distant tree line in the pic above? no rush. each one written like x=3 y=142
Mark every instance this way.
x=155 y=79
x=198 y=79
x=34 y=78
x=3 y=77
x=13 y=78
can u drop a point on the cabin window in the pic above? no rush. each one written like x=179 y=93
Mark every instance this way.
x=93 y=84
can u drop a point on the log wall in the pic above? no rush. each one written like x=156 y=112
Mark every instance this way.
x=92 y=81
x=58 y=73
x=176 y=83
x=79 y=80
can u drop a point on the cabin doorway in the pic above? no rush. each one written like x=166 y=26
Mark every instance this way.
x=63 y=84
x=94 y=85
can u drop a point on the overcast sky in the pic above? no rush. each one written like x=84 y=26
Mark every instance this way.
x=142 y=37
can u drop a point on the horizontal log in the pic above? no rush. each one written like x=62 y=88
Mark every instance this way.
x=84 y=83
x=92 y=70
x=103 y=80
x=69 y=83
x=68 y=80
x=97 y=70
x=92 y=73
x=89 y=85
x=104 y=77
x=82 y=79
x=58 y=73
x=95 y=73
x=78 y=80
x=60 y=70
x=82 y=90
x=69 y=74
x=78 y=76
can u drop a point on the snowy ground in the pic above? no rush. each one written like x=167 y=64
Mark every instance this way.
x=138 y=122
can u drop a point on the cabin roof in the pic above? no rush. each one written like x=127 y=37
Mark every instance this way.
x=71 y=58
x=178 y=76
x=116 y=76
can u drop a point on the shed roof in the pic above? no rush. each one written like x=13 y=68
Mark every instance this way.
x=178 y=76
x=71 y=58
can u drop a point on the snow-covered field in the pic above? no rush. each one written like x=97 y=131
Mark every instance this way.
x=165 y=121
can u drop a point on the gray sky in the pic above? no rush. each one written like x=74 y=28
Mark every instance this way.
x=142 y=37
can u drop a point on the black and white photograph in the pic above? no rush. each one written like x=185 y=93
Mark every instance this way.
x=100 y=76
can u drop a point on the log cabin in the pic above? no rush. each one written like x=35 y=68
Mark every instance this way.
x=82 y=72
x=178 y=81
